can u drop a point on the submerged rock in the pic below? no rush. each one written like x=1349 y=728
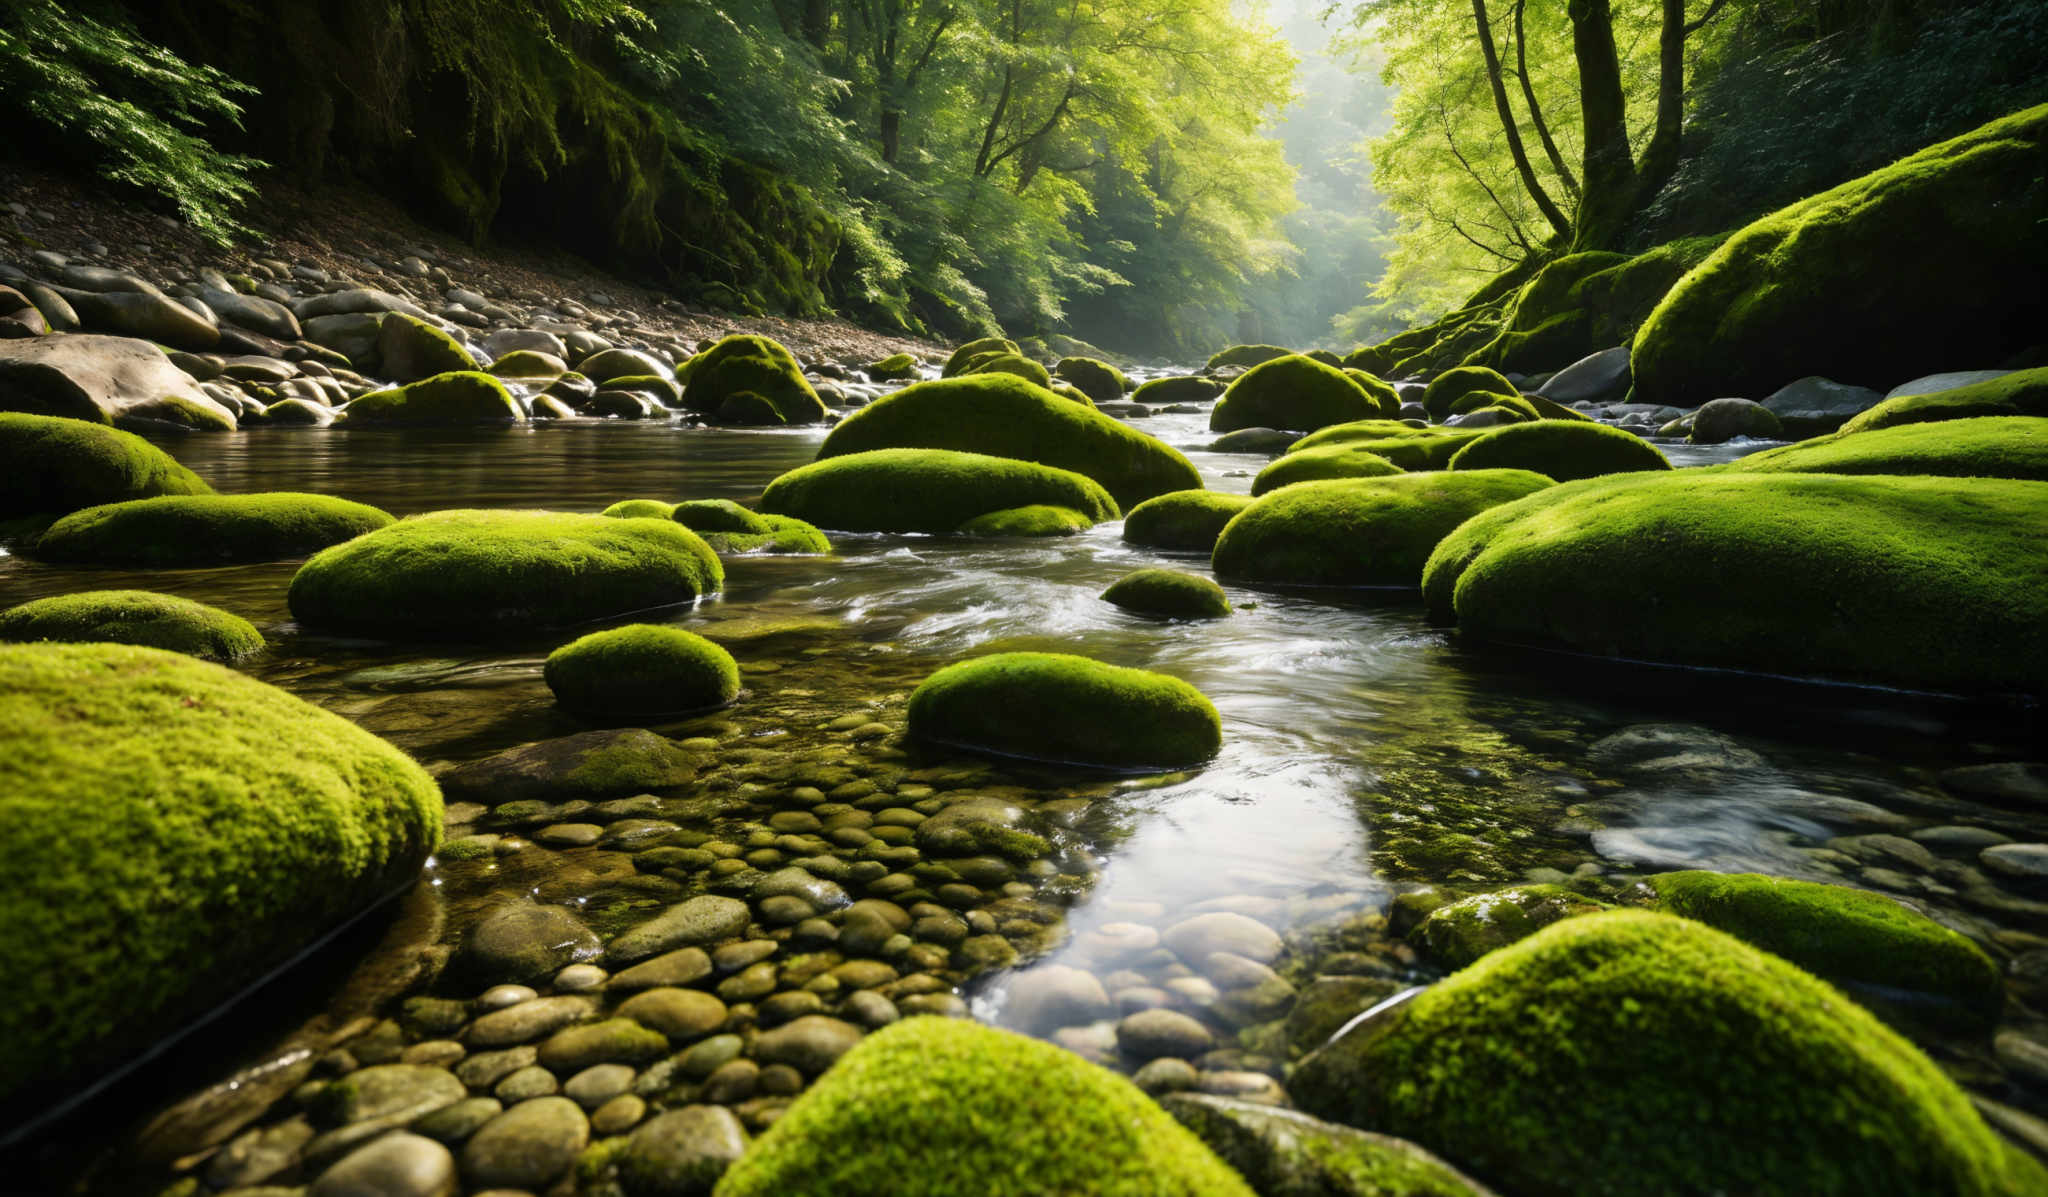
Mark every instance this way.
x=592 y=766
x=1285 y=1153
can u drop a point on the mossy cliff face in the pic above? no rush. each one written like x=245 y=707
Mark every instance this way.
x=229 y=824
x=1630 y=1052
x=196 y=530
x=1293 y=392
x=926 y=490
x=750 y=364
x=134 y=617
x=1905 y=271
x=50 y=465
x=1054 y=706
x=1979 y=447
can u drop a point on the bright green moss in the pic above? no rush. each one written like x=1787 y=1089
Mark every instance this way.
x=781 y=536
x=1053 y=706
x=957 y=363
x=897 y=367
x=1688 y=1062
x=1002 y=416
x=528 y=364
x=1406 y=446
x=1246 y=355
x=2021 y=393
x=661 y=389
x=756 y=364
x=1361 y=531
x=1924 y=582
x=925 y=490
x=748 y=408
x=411 y=349
x=1560 y=449
x=1188 y=520
x=50 y=465
x=1579 y=304
x=1386 y=401
x=470 y=573
x=718 y=515
x=1457 y=933
x=1845 y=935
x=175 y=531
x=1068 y=391
x=1319 y=464
x=1285 y=1153
x=640 y=509
x=1015 y=364
x=176 y=828
x=938 y=1107
x=1902 y=272
x=463 y=397
x=1979 y=447
x=1292 y=392
x=1452 y=385
x=1100 y=381
x=1164 y=392
x=1513 y=404
x=639 y=670
x=134 y=617
x=1168 y=593
x=1039 y=519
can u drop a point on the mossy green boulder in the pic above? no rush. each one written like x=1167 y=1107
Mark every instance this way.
x=1185 y=521
x=1060 y=707
x=1340 y=459
x=1245 y=355
x=1003 y=416
x=134 y=617
x=2021 y=393
x=1628 y=1052
x=640 y=509
x=1164 y=392
x=641 y=669
x=1976 y=447
x=1293 y=392
x=468 y=573
x=1014 y=364
x=1443 y=392
x=1169 y=594
x=1905 y=271
x=410 y=349
x=897 y=367
x=1937 y=583
x=176 y=531
x=51 y=465
x=925 y=490
x=957 y=362
x=1581 y=303
x=462 y=397
x=1411 y=448
x=755 y=365
x=1285 y=1153
x=1097 y=379
x=529 y=364
x=717 y=515
x=1566 y=450
x=1359 y=531
x=1386 y=400
x=730 y=528
x=174 y=829
x=1459 y=932
x=1039 y=519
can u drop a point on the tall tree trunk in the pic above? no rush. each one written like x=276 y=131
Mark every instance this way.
x=1609 y=188
x=1530 y=183
x=1550 y=151
x=1660 y=157
x=892 y=132
x=817 y=22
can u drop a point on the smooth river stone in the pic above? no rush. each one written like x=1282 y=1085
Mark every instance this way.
x=528 y=1021
x=526 y=1147
x=680 y=967
x=700 y=921
x=1196 y=938
x=1150 y=1034
x=680 y=1014
x=397 y=1165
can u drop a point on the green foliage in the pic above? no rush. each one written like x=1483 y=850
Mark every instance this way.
x=1979 y=447
x=134 y=617
x=171 y=531
x=50 y=465
x=926 y=490
x=1056 y=706
x=641 y=670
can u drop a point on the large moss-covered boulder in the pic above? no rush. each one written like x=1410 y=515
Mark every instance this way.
x=173 y=531
x=1185 y=521
x=1562 y=449
x=461 y=397
x=1013 y=364
x=1979 y=447
x=1905 y=271
x=1441 y=397
x=641 y=669
x=1286 y=1153
x=730 y=528
x=1055 y=706
x=1168 y=594
x=134 y=617
x=1386 y=400
x=1095 y=378
x=470 y=573
x=50 y=465
x=410 y=349
x=1245 y=355
x=957 y=362
x=1164 y=392
x=1922 y=582
x=938 y=1107
x=174 y=830
x=1581 y=303
x=1003 y=416
x=1629 y=1052
x=1293 y=392
x=1405 y=445
x=753 y=364
x=2021 y=393
x=1361 y=531
x=925 y=490
x=1339 y=459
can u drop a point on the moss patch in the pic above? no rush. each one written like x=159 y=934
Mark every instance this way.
x=1293 y=392
x=193 y=530
x=1980 y=447
x=463 y=397
x=1562 y=449
x=134 y=617
x=2021 y=393
x=1013 y=364
x=1322 y=463
x=1457 y=933
x=717 y=515
x=1054 y=706
x=641 y=669
x=639 y=509
x=1403 y=444
x=925 y=490
x=957 y=362
x=1168 y=593
x=50 y=465
x=752 y=364
x=897 y=367
x=1246 y=355
x=1439 y=399
x=1188 y=521
x=1097 y=379
x=1039 y=519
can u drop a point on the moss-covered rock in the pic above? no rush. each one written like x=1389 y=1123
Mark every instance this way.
x=657 y=387
x=1014 y=364
x=174 y=829
x=1896 y=274
x=50 y=465
x=465 y=573
x=1514 y=407
x=957 y=363
x=1054 y=706
x=754 y=364
x=1002 y=416
x=134 y=617
x=1072 y=393
x=1581 y=303
x=173 y=531
x=1459 y=932
x=1245 y=355
x=1168 y=593
x=1405 y=445
x=606 y=365
x=641 y=669
x=1321 y=463
x=2021 y=393
x=745 y=409
x=1386 y=401
x=1186 y=521
x=1164 y=392
x=1359 y=532
x=1925 y=582
x=936 y=1106
x=1097 y=379
x=529 y=364
x=1979 y=447
x=1444 y=391
x=781 y=535
x=925 y=490
x=1692 y=1063
x=897 y=367
x=1039 y=519
x=640 y=509
x=1566 y=450
x=411 y=349
x=463 y=397
x=717 y=515
x=1293 y=392
x=1286 y=1153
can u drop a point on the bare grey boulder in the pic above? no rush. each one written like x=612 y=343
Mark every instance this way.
x=107 y=380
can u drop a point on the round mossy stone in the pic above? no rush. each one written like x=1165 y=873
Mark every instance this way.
x=1452 y=385
x=1187 y=520
x=1566 y=450
x=897 y=367
x=1168 y=593
x=1039 y=519
x=1294 y=392
x=175 y=531
x=926 y=490
x=228 y=825
x=529 y=363
x=747 y=407
x=756 y=365
x=2021 y=393
x=1404 y=444
x=459 y=397
x=464 y=573
x=1385 y=398
x=134 y=617
x=957 y=363
x=1097 y=379
x=1164 y=392
x=717 y=515
x=1246 y=355
x=1014 y=364
x=1055 y=706
x=411 y=349
x=642 y=669
x=1343 y=459
x=51 y=465
x=780 y=535
x=1003 y=416
x=1359 y=531
x=640 y=509
x=1974 y=447
x=935 y=1106
x=1457 y=933
x=1694 y=1064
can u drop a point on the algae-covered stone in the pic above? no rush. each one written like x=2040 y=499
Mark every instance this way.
x=1565 y=450
x=1925 y=582
x=751 y=364
x=1285 y=1153
x=1054 y=706
x=1404 y=444
x=590 y=766
x=1359 y=532
x=640 y=509
x=228 y=825
x=1447 y=388
x=466 y=573
x=529 y=364
x=2021 y=393
x=682 y=1153
x=1039 y=519
x=1188 y=520
x=957 y=363
x=1320 y=463
x=1013 y=364
x=411 y=349
x=1721 y=420
x=1977 y=447
x=897 y=367
x=937 y=1105
x=1168 y=593
x=1001 y=416
x=173 y=531
x=925 y=490
x=730 y=528
x=134 y=617
x=1294 y=392
x=461 y=397
x=1245 y=355
x=1095 y=378
x=1692 y=1062
x=1164 y=392
x=642 y=669
x=1458 y=933
x=50 y=465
